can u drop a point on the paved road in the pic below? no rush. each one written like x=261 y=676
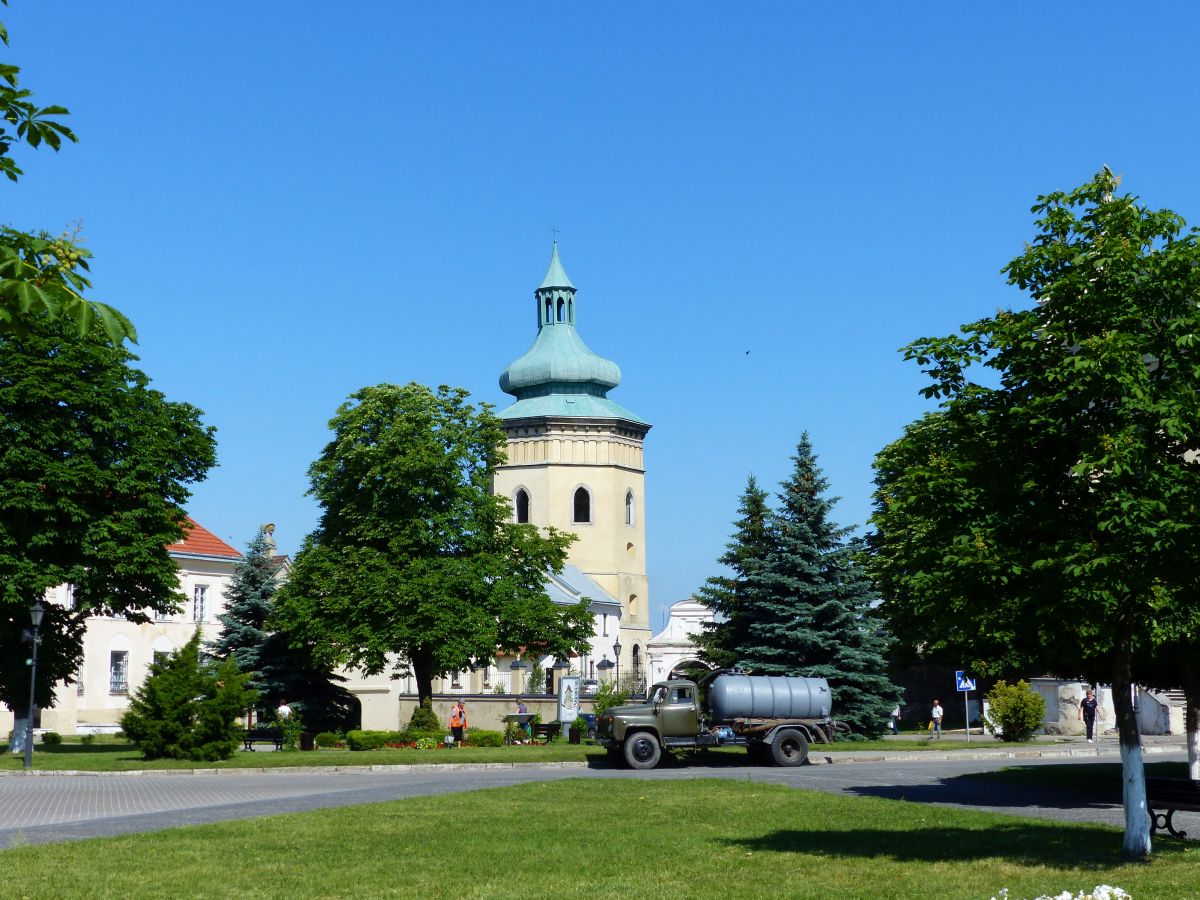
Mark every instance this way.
x=50 y=808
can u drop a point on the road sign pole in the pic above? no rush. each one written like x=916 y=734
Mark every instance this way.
x=967 y=711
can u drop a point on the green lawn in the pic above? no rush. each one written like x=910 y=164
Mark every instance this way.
x=114 y=755
x=677 y=839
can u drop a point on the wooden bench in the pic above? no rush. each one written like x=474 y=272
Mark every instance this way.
x=1165 y=796
x=545 y=731
x=262 y=734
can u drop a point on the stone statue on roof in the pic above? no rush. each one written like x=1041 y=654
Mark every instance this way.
x=268 y=533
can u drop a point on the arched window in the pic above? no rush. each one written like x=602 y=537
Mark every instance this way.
x=637 y=661
x=562 y=310
x=522 y=506
x=629 y=507
x=583 y=505
x=549 y=311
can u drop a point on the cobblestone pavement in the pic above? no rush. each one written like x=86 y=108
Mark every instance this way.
x=56 y=808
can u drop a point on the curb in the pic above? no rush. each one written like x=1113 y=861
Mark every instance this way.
x=1057 y=753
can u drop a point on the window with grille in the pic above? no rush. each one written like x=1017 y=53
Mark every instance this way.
x=118 y=672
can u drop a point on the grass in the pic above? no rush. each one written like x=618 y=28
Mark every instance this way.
x=623 y=838
x=111 y=754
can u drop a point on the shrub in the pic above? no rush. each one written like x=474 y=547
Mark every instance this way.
x=1016 y=711
x=580 y=724
x=486 y=739
x=424 y=719
x=499 y=689
x=427 y=743
x=513 y=733
x=88 y=739
x=185 y=710
x=607 y=697
x=366 y=740
x=291 y=727
x=328 y=739
x=51 y=738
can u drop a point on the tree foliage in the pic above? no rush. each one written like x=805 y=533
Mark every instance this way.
x=94 y=470
x=1016 y=711
x=43 y=276
x=416 y=564
x=185 y=710
x=726 y=595
x=279 y=670
x=799 y=602
x=1045 y=515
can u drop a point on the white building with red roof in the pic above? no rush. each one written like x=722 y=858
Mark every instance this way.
x=117 y=653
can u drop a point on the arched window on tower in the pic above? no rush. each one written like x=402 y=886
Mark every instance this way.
x=549 y=311
x=562 y=310
x=629 y=508
x=522 y=506
x=571 y=311
x=583 y=505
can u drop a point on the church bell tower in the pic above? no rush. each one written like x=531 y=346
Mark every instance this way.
x=574 y=460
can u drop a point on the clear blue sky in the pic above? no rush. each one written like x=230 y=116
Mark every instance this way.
x=293 y=200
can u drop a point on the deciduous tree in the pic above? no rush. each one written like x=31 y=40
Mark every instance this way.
x=416 y=565
x=94 y=470
x=42 y=276
x=1045 y=516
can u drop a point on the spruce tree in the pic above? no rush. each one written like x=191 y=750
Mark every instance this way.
x=278 y=670
x=722 y=640
x=808 y=605
x=186 y=710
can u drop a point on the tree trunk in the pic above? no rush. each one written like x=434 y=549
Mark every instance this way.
x=424 y=677
x=1133 y=775
x=16 y=743
x=1191 y=720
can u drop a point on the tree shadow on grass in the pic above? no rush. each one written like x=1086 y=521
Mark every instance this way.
x=1023 y=843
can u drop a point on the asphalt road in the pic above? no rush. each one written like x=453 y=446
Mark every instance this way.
x=49 y=808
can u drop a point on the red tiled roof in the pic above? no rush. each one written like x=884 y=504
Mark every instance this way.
x=203 y=542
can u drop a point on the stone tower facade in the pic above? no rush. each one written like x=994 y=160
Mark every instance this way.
x=575 y=461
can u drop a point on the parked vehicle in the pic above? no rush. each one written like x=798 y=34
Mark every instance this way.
x=589 y=687
x=775 y=717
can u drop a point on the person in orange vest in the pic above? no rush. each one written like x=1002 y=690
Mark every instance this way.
x=458 y=722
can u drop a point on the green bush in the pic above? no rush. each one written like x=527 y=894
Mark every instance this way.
x=88 y=739
x=1016 y=711
x=291 y=728
x=427 y=743
x=186 y=710
x=424 y=719
x=51 y=738
x=514 y=732
x=607 y=697
x=366 y=740
x=485 y=738
x=328 y=739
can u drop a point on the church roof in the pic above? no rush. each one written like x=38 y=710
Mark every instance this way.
x=559 y=375
x=199 y=541
x=556 y=275
x=571 y=585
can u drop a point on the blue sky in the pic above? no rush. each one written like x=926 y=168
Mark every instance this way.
x=293 y=200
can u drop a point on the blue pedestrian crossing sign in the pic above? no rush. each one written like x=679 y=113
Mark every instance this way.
x=964 y=683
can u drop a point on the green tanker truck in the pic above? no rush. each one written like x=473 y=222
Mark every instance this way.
x=775 y=717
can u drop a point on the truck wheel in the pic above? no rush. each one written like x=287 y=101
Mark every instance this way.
x=642 y=751
x=790 y=748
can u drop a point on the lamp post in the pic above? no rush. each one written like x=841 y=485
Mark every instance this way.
x=617 y=654
x=35 y=615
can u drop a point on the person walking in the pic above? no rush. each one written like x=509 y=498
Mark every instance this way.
x=458 y=722
x=935 y=716
x=896 y=719
x=1087 y=714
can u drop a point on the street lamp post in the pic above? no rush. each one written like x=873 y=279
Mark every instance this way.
x=617 y=654
x=35 y=615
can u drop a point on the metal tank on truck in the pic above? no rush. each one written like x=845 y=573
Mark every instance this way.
x=775 y=717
